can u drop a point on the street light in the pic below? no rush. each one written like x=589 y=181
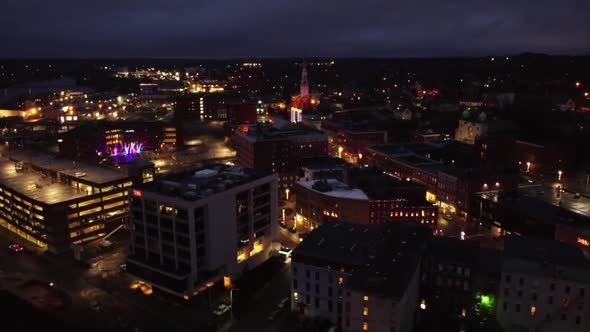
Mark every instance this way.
x=228 y=285
x=287 y=193
x=340 y=149
x=559 y=174
x=528 y=166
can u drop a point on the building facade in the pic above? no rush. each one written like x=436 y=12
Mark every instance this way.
x=451 y=171
x=193 y=229
x=56 y=204
x=329 y=199
x=544 y=287
x=279 y=149
x=333 y=279
x=93 y=142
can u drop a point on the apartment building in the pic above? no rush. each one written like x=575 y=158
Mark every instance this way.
x=189 y=230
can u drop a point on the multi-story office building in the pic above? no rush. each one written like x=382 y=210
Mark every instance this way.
x=279 y=148
x=364 y=196
x=452 y=171
x=192 y=229
x=349 y=140
x=544 y=287
x=360 y=277
x=58 y=203
x=100 y=140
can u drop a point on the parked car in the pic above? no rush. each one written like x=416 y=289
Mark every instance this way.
x=15 y=247
x=221 y=309
x=292 y=230
x=283 y=303
x=283 y=224
x=448 y=217
x=95 y=305
x=577 y=195
x=273 y=315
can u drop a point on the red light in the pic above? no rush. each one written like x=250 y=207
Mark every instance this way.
x=136 y=193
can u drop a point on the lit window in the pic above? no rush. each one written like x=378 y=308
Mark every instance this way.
x=365 y=298
x=533 y=310
x=365 y=311
x=365 y=326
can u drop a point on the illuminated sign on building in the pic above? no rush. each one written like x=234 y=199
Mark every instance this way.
x=583 y=241
x=128 y=148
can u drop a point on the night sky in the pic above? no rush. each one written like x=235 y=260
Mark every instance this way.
x=289 y=28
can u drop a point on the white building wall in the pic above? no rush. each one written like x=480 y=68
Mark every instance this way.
x=321 y=284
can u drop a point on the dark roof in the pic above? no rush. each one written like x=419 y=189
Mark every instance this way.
x=324 y=162
x=463 y=251
x=490 y=260
x=203 y=182
x=379 y=186
x=264 y=131
x=382 y=258
x=545 y=251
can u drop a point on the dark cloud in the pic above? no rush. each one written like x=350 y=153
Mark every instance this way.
x=279 y=28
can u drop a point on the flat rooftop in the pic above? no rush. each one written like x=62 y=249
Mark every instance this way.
x=280 y=130
x=420 y=148
x=382 y=257
x=369 y=184
x=380 y=186
x=324 y=163
x=544 y=252
x=336 y=189
x=36 y=186
x=203 y=182
x=92 y=173
x=452 y=157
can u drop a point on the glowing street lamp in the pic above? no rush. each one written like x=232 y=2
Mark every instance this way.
x=227 y=284
x=287 y=193
x=283 y=215
x=559 y=174
x=528 y=166
x=423 y=304
x=340 y=149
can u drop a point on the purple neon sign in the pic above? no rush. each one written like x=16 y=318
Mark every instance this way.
x=128 y=148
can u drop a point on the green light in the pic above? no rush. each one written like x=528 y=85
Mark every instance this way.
x=485 y=300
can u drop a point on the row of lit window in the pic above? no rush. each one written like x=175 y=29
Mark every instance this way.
x=521 y=282
x=18 y=199
x=410 y=214
x=330 y=214
x=533 y=312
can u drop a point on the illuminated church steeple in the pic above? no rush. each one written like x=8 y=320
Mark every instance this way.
x=304 y=84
